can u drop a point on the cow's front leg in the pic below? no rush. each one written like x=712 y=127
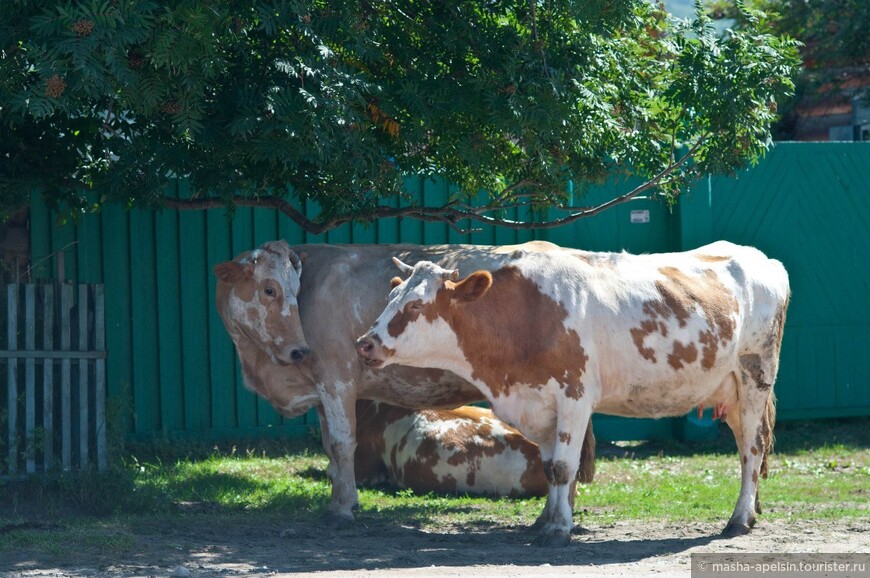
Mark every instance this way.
x=339 y=411
x=326 y=440
x=572 y=419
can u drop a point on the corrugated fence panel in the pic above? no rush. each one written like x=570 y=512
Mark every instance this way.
x=194 y=317
x=143 y=281
x=806 y=205
x=169 y=318
x=116 y=278
x=221 y=353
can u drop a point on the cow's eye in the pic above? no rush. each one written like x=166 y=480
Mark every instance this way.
x=270 y=291
x=416 y=306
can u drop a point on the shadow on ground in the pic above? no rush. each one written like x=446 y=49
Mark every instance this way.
x=212 y=549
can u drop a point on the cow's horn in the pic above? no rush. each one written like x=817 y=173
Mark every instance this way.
x=404 y=268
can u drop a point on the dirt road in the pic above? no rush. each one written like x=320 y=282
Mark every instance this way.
x=376 y=550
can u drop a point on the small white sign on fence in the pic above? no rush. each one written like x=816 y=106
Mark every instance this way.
x=640 y=216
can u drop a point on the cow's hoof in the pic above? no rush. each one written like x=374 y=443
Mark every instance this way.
x=335 y=521
x=732 y=530
x=557 y=539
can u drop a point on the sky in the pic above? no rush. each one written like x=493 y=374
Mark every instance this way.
x=681 y=8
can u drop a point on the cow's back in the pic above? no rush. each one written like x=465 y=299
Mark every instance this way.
x=661 y=331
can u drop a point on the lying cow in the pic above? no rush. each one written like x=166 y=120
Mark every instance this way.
x=465 y=450
x=550 y=337
x=294 y=334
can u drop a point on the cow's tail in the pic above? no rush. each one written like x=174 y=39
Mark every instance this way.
x=586 y=473
x=768 y=421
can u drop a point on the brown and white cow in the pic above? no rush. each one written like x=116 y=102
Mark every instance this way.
x=466 y=450
x=550 y=337
x=294 y=333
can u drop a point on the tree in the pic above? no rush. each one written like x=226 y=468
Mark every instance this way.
x=262 y=103
x=835 y=51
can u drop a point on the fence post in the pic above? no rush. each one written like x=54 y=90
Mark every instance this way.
x=30 y=377
x=100 y=377
x=66 y=298
x=12 y=377
x=84 y=382
x=48 y=377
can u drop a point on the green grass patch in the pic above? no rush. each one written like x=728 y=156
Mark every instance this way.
x=821 y=470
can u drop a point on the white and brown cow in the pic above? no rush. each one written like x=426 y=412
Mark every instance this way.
x=466 y=450
x=294 y=333
x=550 y=337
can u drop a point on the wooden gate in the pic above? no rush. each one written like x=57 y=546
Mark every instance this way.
x=54 y=352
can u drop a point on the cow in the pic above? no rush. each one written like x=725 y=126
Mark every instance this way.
x=466 y=450
x=549 y=337
x=293 y=314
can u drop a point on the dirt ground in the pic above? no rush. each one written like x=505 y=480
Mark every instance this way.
x=374 y=549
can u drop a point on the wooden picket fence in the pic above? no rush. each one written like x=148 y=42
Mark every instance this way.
x=55 y=356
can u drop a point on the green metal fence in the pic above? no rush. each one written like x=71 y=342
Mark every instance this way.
x=809 y=206
x=172 y=371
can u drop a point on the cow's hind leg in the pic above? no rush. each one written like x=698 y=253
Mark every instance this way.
x=561 y=464
x=752 y=425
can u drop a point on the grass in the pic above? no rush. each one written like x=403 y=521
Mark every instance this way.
x=820 y=470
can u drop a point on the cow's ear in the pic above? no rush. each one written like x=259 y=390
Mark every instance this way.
x=232 y=271
x=395 y=282
x=296 y=259
x=472 y=287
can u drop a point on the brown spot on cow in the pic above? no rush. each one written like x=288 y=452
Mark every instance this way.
x=711 y=258
x=751 y=364
x=709 y=349
x=755 y=478
x=681 y=296
x=422 y=471
x=745 y=459
x=564 y=437
x=707 y=292
x=548 y=471
x=407 y=315
x=574 y=390
x=530 y=346
x=754 y=450
x=779 y=327
x=638 y=334
x=456 y=438
x=682 y=354
x=560 y=473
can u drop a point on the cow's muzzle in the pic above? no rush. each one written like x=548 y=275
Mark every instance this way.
x=368 y=347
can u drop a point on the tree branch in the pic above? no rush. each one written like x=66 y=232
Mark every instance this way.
x=451 y=213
